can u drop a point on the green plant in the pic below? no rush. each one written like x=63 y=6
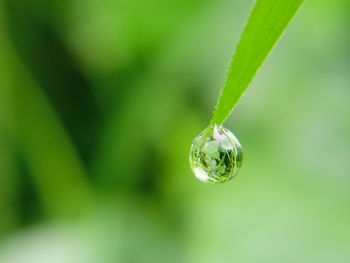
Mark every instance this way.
x=267 y=22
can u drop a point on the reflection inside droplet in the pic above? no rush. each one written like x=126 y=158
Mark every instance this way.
x=216 y=155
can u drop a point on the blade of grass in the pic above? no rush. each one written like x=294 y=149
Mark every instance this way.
x=27 y=115
x=267 y=22
x=8 y=185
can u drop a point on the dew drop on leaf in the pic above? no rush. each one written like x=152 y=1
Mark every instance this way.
x=215 y=155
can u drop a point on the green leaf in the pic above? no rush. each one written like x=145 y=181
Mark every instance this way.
x=27 y=116
x=267 y=22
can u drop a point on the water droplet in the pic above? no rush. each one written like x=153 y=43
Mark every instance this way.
x=216 y=155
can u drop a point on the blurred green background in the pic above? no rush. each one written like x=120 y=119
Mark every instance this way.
x=100 y=101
